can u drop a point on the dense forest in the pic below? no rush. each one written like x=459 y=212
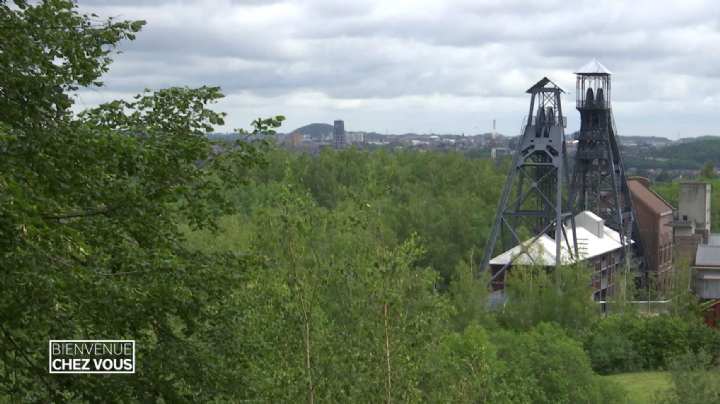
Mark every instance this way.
x=260 y=275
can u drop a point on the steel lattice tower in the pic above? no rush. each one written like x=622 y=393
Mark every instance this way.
x=532 y=199
x=599 y=183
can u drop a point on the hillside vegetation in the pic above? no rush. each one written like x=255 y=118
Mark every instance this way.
x=315 y=130
x=691 y=154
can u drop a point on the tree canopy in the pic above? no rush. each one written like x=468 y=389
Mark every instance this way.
x=91 y=207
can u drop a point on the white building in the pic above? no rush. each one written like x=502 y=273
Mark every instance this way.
x=598 y=245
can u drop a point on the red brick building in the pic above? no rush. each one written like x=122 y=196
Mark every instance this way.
x=655 y=219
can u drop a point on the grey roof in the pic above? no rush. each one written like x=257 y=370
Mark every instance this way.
x=714 y=239
x=707 y=256
x=593 y=67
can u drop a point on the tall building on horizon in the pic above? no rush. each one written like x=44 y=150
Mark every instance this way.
x=339 y=138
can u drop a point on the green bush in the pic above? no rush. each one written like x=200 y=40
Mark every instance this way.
x=702 y=338
x=462 y=369
x=659 y=339
x=696 y=380
x=612 y=352
x=541 y=365
x=545 y=365
x=623 y=343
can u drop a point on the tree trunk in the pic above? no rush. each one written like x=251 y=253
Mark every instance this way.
x=388 y=382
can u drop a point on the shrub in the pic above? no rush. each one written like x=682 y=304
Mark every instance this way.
x=612 y=352
x=624 y=343
x=705 y=339
x=462 y=368
x=545 y=365
x=695 y=380
x=658 y=339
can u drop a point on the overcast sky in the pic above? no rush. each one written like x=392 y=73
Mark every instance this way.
x=445 y=66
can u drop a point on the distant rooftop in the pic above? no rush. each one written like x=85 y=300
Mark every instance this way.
x=593 y=67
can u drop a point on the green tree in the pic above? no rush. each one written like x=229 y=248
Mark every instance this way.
x=463 y=368
x=90 y=213
x=544 y=365
x=333 y=315
x=708 y=170
x=48 y=50
x=562 y=296
x=470 y=297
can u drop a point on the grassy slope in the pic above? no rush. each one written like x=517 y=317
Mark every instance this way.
x=642 y=386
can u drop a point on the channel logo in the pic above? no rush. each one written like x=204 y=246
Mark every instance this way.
x=91 y=356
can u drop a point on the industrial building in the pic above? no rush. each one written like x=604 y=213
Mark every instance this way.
x=691 y=224
x=706 y=271
x=599 y=247
x=706 y=279
x=600 y=218
x=655 y=231
x=697 y=247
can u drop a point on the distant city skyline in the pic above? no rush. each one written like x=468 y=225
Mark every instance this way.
x=424 y=66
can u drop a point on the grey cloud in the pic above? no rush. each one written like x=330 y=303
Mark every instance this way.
x=387 y=51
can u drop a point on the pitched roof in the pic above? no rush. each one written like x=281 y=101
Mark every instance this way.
x=542 y=252
x=543 y=83
x=593 y=67
x=648 y=197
